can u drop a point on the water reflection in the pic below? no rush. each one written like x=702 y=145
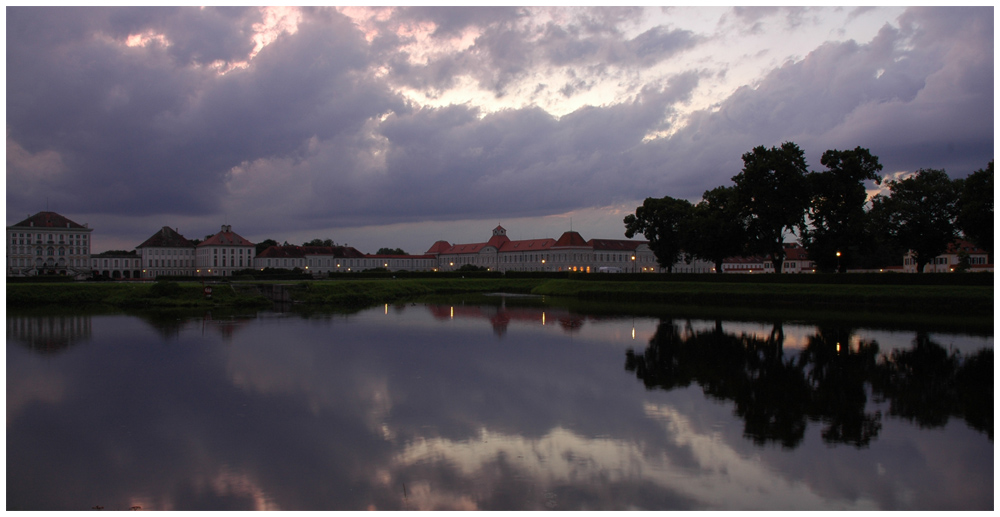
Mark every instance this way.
x=501 y=316
x=425 y=407
x=48 y=334
x=776 y=393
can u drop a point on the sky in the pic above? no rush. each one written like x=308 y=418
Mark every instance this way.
x=401 y=126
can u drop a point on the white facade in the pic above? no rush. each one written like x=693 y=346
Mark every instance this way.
x=168 y=262
x=48 y=243
x=167 y=253
x=223 y=253
x=116 y=266
x=949 y=261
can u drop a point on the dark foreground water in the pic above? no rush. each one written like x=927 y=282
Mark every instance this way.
x=503 y=406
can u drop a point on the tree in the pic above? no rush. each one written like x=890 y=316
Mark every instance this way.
x=918 y=214
x=320 y=242
x=716 y=231
x=837 y=207
x=974 y=215
x=391 y=251
x=264 y=244
x=662 y=221
x=772 y=193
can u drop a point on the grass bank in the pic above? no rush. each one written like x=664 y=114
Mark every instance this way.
x=130 y=295
x=910 y=298
x=953 y=299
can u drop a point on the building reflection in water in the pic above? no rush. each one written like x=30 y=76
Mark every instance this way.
x=500 y=317
x=48 y=334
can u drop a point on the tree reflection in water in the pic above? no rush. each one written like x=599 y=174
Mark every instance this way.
x=829 y=381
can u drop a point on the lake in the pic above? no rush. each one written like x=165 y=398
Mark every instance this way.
x=496 y=403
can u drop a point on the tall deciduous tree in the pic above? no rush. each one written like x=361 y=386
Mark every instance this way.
x=837 y=207
x=662 y=221
x=772 y=192
x=320 y=242
x=975 y=208
x=716 y=231
x=264 y=244
x=918 y=214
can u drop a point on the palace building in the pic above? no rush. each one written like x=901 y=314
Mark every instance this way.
x=570 y=252
x=167 y=253
x=223 y=253
x=48 y=244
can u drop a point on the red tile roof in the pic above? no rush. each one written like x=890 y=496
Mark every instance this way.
x=527 y=245
x=615 y=245
x=497 y=241
x=226 y=237
x=49 y=220
x=964 y=245
x=439 y=247
x=368 y=255
x=570 y=239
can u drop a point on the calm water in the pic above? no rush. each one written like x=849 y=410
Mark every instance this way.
x=506 y=405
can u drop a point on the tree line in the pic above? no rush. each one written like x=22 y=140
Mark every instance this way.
x=776 y=396
x=775 y=195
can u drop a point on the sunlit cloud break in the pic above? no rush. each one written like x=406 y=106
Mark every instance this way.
x=304 y=122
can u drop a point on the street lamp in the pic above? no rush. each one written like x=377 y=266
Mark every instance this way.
x=838 y=262
x=633 y=263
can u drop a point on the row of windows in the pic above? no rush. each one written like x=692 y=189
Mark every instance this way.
x=232 y=262
x=538 y=257
x=62 y=251
x=171 y=263
x=24 y=262
x=19 y=238
x=155 y=252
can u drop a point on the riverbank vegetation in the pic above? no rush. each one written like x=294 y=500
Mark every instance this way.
x=799 y=291
x=775 y=195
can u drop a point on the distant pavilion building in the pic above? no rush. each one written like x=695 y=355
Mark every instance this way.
x=223 y=253
x=167 y=253
x=48 y=244
x=116 y=265
x=570 y=252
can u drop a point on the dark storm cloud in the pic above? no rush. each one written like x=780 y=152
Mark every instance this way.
x=313 y=134
x=141 y=130
x=507 y=51
x=452 y=163
x=917 y=97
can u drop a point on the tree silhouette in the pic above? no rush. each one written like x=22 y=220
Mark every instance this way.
x=828 y=381
x=772 y=193
x=918 y=214
x=975 y=207
x=837 y=207
x=664 y=222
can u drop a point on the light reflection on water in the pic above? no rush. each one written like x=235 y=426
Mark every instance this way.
x=438 y=407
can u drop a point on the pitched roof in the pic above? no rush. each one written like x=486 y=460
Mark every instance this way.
x=498 y=240
x=963 y=245
x=570 y=239
x=50 y=220
x=167 y=237
x=796 y=253
x=439 y=247
x=384 y=256
x=226 y=237
x=528 y=245
x=615 y=244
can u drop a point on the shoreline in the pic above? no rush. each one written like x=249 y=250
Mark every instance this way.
x=930 y=299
